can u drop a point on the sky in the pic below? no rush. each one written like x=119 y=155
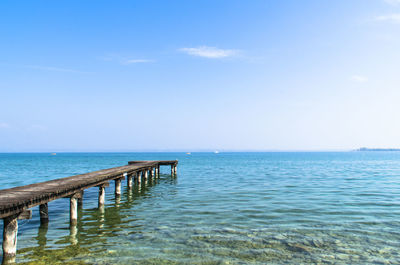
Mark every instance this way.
x=199 y=75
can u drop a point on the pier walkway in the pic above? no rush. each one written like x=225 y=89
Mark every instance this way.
x=15 y=202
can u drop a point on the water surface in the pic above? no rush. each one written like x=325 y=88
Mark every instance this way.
x=226 y=208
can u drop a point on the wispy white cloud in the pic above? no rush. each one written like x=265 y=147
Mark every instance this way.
x=4 y=125
x=359 y=78
x=125 y=60
x=394 y=18
x=209 y=52
x=54 y=69
x=393 y=2
x=132 y=61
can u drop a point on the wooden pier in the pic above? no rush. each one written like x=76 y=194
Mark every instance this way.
x=16 y=202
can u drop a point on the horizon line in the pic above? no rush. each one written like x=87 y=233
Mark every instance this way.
x=184 y=151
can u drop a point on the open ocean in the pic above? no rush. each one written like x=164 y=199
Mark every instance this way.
x=226 y=208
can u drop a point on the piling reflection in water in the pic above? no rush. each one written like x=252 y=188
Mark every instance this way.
x=41 y=236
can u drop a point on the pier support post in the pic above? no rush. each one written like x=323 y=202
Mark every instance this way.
x=172 y=170
x=102 y=196
x=129 y=181
x=80 y=200
x=44 y=213
x=73 y=210
x=151 y=175
x=139 y=177
x=10 y=232
x=118 y=187
x=146 y=174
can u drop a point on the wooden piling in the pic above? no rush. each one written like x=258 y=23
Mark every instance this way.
x=129 y=181
x=44 y=213
x=10 y=232
x=118 y=187
x=102 y=196
x=80 y=201
x=73 y=211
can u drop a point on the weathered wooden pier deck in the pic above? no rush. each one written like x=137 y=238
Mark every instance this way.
x=15 y=202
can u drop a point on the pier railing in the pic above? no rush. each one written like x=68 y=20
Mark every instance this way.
x=15 y=203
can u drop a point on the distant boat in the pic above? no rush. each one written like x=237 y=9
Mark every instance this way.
x=216 y=152
x=188 y=153
x=53 y=154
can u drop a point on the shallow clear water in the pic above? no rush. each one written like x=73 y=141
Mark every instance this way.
x=227 y=208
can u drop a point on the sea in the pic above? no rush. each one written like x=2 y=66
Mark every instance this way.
x=221 y=208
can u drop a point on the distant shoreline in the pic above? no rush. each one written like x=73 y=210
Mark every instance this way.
x=377 y=149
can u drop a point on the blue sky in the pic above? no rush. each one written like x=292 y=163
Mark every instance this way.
x=199 y=75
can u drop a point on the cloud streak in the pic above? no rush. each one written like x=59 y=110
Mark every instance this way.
x=209 y=52
x=394 y=18
x=134 y=61
x=359 y=78
x=393 y=2
x=124 y=60
x=4 y=125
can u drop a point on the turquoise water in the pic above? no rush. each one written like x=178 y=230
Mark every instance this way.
x=226 y=208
